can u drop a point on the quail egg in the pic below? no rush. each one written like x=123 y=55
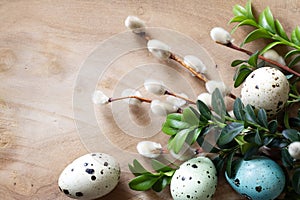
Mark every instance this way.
x=195 y=179
x=266 y=88
x=90 y=176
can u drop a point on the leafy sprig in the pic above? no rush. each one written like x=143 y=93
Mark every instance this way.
x=264 y=27
x=242 y=135
x=146 y=180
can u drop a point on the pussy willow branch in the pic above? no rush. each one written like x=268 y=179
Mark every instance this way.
x=179 y=110
x=183 y=64
x=180 y=97
x=180 y=61
x=286 y=68
x=130 y=97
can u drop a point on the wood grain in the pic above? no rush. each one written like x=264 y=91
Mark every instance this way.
x=43 y=45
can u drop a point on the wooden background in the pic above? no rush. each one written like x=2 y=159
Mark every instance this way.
x=43 y=45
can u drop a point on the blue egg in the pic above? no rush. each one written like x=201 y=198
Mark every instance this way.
x=258 y=179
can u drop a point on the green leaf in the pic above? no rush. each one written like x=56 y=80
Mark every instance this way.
x=196 y=112
x=253 y=59
x=294 y=62
x=175 y=116
x=237 y=62
x=250 y=114
x=238 y=109
x=195 y=135
x=230 y=132
x=218 y=104
x=219 y=163
x=241 y=74
x=262 y=118
x=228 y=164
x=179 y=140
x=295 y=36
x=252 y=150
x=291 y=134
x=204 y=110
x=177 y=124
x=245 y=147
x=269 y=46
x=170 y=173
x=143 y=182
x=257 y=138
x=291 y=53
x=137 y=169
x=189 y=117
x=250 y=136
x=296 y=180
x=266 y=20
x=239 y=10
x=256 y=34
x=161 y=184
x=272 y=126
x=238 y=18
x=248 y=22
x=248 y=8
x=286 y=120
x=160 y=167
x=280 y=30
x=286 y=158
x=168 y=130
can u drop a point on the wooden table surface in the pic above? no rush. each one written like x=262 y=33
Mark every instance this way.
x=44 y=46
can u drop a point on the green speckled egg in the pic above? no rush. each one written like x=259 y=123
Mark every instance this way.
x=195 y=179
x=258 y=179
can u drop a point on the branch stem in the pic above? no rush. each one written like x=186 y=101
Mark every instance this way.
x=180 y=97
x=130 y=97
x=286 y=68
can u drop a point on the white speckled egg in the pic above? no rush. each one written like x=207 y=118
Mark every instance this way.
x=195 y=179
x=90 y=176
x=258 y=179
x=266 y=88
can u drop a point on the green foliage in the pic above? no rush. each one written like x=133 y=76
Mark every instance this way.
x=266 y=27
x=245 y=133
x=146 y=180
x=218 y=105
x=230 y=132
x=241 y=74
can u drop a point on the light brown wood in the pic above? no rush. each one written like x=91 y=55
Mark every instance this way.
x=43 y=46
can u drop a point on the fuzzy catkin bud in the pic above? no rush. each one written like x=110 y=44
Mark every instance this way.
x=155 y=87
x=212 y=85
x=162 y=108
x=159 y=49
x=294 y=150
x=195 y=63
x=220 y=35
x=273 y=55
x=205 y=98
x=177 y=101
x=149 y=149
x=135 y=24
x=99 y=97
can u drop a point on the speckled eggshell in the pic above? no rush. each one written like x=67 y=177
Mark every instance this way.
x=195 y=179
x=266 y=88
x=258 y=179
x=90 y=176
